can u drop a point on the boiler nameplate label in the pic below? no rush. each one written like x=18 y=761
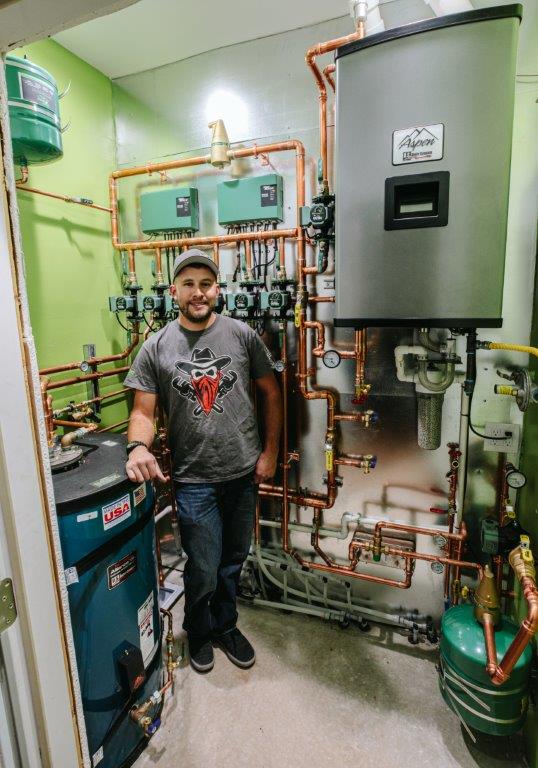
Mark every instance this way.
x=418 y=144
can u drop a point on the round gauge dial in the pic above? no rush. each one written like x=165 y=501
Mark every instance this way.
x=331 y=358
x=439 y=540
x=515 y=478
x=84 y=366
x=279 y=366
x=437 y=567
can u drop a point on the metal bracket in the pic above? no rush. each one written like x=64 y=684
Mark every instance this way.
x=8 y=609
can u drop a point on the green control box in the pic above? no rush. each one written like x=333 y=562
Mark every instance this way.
x=169 y=209
x=252 y=199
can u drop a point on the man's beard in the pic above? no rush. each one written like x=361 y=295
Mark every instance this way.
x=195 y=318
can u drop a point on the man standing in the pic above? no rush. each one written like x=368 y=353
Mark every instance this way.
x=200 y=369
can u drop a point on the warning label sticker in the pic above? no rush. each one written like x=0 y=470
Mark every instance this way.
x=145 y=627
x=121 y=570
x=418 y=144
x=117 y=512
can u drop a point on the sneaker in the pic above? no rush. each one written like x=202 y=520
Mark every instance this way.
x=237 y=648
x=201 y=654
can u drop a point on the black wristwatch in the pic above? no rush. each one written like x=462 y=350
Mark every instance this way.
x=134 y=444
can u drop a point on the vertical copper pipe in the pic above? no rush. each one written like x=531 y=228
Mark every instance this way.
x=47 y=411
x=285 y=442
x=248 y=255
x=328 y=72
x=489 y=638
x=216 y=255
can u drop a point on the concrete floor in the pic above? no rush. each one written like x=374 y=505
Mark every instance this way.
x=317 y=696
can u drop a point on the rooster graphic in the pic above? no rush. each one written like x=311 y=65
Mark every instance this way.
x=203 y=381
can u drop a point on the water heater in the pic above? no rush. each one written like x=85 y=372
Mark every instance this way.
x=423 y=141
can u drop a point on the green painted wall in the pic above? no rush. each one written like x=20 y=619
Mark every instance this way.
x=71 y=267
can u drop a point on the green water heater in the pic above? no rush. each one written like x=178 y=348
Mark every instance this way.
x=34 y=113
x=465 y=685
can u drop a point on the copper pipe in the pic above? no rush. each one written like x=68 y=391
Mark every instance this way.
x=310 y=58
x=47 y=411
x=489 y=638
x=210 y=240
x=525 y=573
x=320 y=299
x=342 y=570
x=98 y=399
x=76 y=424
x=248 y=256
x=87 y=377
x=65 y=198
x=24 y=175
x=95 y=360
x=216 y=255
x=414 y=529
x=69 y=437
x=113 y=426
x=328 y=72
x=319 y=349
x=283 y=146
x=358 y=544
x=285 y=441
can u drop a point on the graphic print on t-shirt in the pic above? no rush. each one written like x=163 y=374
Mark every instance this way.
x=202 y=380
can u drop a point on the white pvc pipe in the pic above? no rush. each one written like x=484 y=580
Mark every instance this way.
x=442 y=7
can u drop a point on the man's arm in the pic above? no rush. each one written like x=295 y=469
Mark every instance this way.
x=272 y=423
x=142 y=464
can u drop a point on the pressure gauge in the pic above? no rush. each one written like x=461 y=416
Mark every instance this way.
x=84 y=366
x=515 y=478
x=439 y=540
x=437 y=567
x=279 y=366
x=331 y=358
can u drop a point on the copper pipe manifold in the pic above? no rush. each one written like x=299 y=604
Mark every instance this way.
x=523 y=567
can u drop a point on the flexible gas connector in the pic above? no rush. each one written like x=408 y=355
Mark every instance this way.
x=509 y=347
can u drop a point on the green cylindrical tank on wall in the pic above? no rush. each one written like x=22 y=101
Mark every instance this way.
x=34 y=113
x=465 y=684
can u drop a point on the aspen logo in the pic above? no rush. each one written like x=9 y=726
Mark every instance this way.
x=117 y=512
x=418 y=144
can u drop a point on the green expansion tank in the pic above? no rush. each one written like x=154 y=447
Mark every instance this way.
x=464 y=682
x=34 y=114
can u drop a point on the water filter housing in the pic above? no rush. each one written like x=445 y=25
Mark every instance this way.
x=423 y=141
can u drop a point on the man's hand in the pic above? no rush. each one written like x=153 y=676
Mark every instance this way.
x=142 y=465
x=265 y=467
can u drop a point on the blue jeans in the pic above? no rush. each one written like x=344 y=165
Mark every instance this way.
x=215 y=521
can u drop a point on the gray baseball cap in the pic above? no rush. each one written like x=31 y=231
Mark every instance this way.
x=193 y=256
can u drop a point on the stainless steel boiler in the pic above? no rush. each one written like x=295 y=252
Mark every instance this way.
x=423 y=141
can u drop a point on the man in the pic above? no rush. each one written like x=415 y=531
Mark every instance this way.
x=200 y=368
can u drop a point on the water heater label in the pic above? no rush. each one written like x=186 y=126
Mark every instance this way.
x=418 y=144
x=120 y=571
x=145 y=626
x=37 y=90
x=117 y=512
x=139 y=494
x=268 y=195
x=98 y=756
x=183 y=206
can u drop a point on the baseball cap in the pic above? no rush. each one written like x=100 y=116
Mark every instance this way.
x=193 y=256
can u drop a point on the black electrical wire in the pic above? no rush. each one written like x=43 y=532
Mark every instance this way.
x=125 y=328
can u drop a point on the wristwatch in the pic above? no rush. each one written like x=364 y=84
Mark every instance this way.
x=134 y=444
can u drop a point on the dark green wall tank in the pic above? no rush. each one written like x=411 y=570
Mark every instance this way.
x=34 y=113
x=464 y=682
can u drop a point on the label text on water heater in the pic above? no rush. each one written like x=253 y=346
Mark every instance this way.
x=418 y=144
x=116 y=512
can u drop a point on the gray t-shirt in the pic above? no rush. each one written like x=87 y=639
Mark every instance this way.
x=202 y=379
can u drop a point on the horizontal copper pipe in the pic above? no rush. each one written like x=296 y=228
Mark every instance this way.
x=424 y=531
x=210 y=240
x=75 y=424
x=98 y=399
x=169 y=165
x=320 y=299
x=342 y=570
x=65 y=198
x=87 y=377
x=93 y=360
x=113 y=426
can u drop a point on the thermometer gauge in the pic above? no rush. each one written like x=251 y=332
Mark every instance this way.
x=515 y=478
x=331 y=358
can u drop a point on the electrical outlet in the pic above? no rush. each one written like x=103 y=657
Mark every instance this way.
x=498 y=440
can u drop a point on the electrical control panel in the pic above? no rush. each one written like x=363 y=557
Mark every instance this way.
x=169 y=209
x=254 y=199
